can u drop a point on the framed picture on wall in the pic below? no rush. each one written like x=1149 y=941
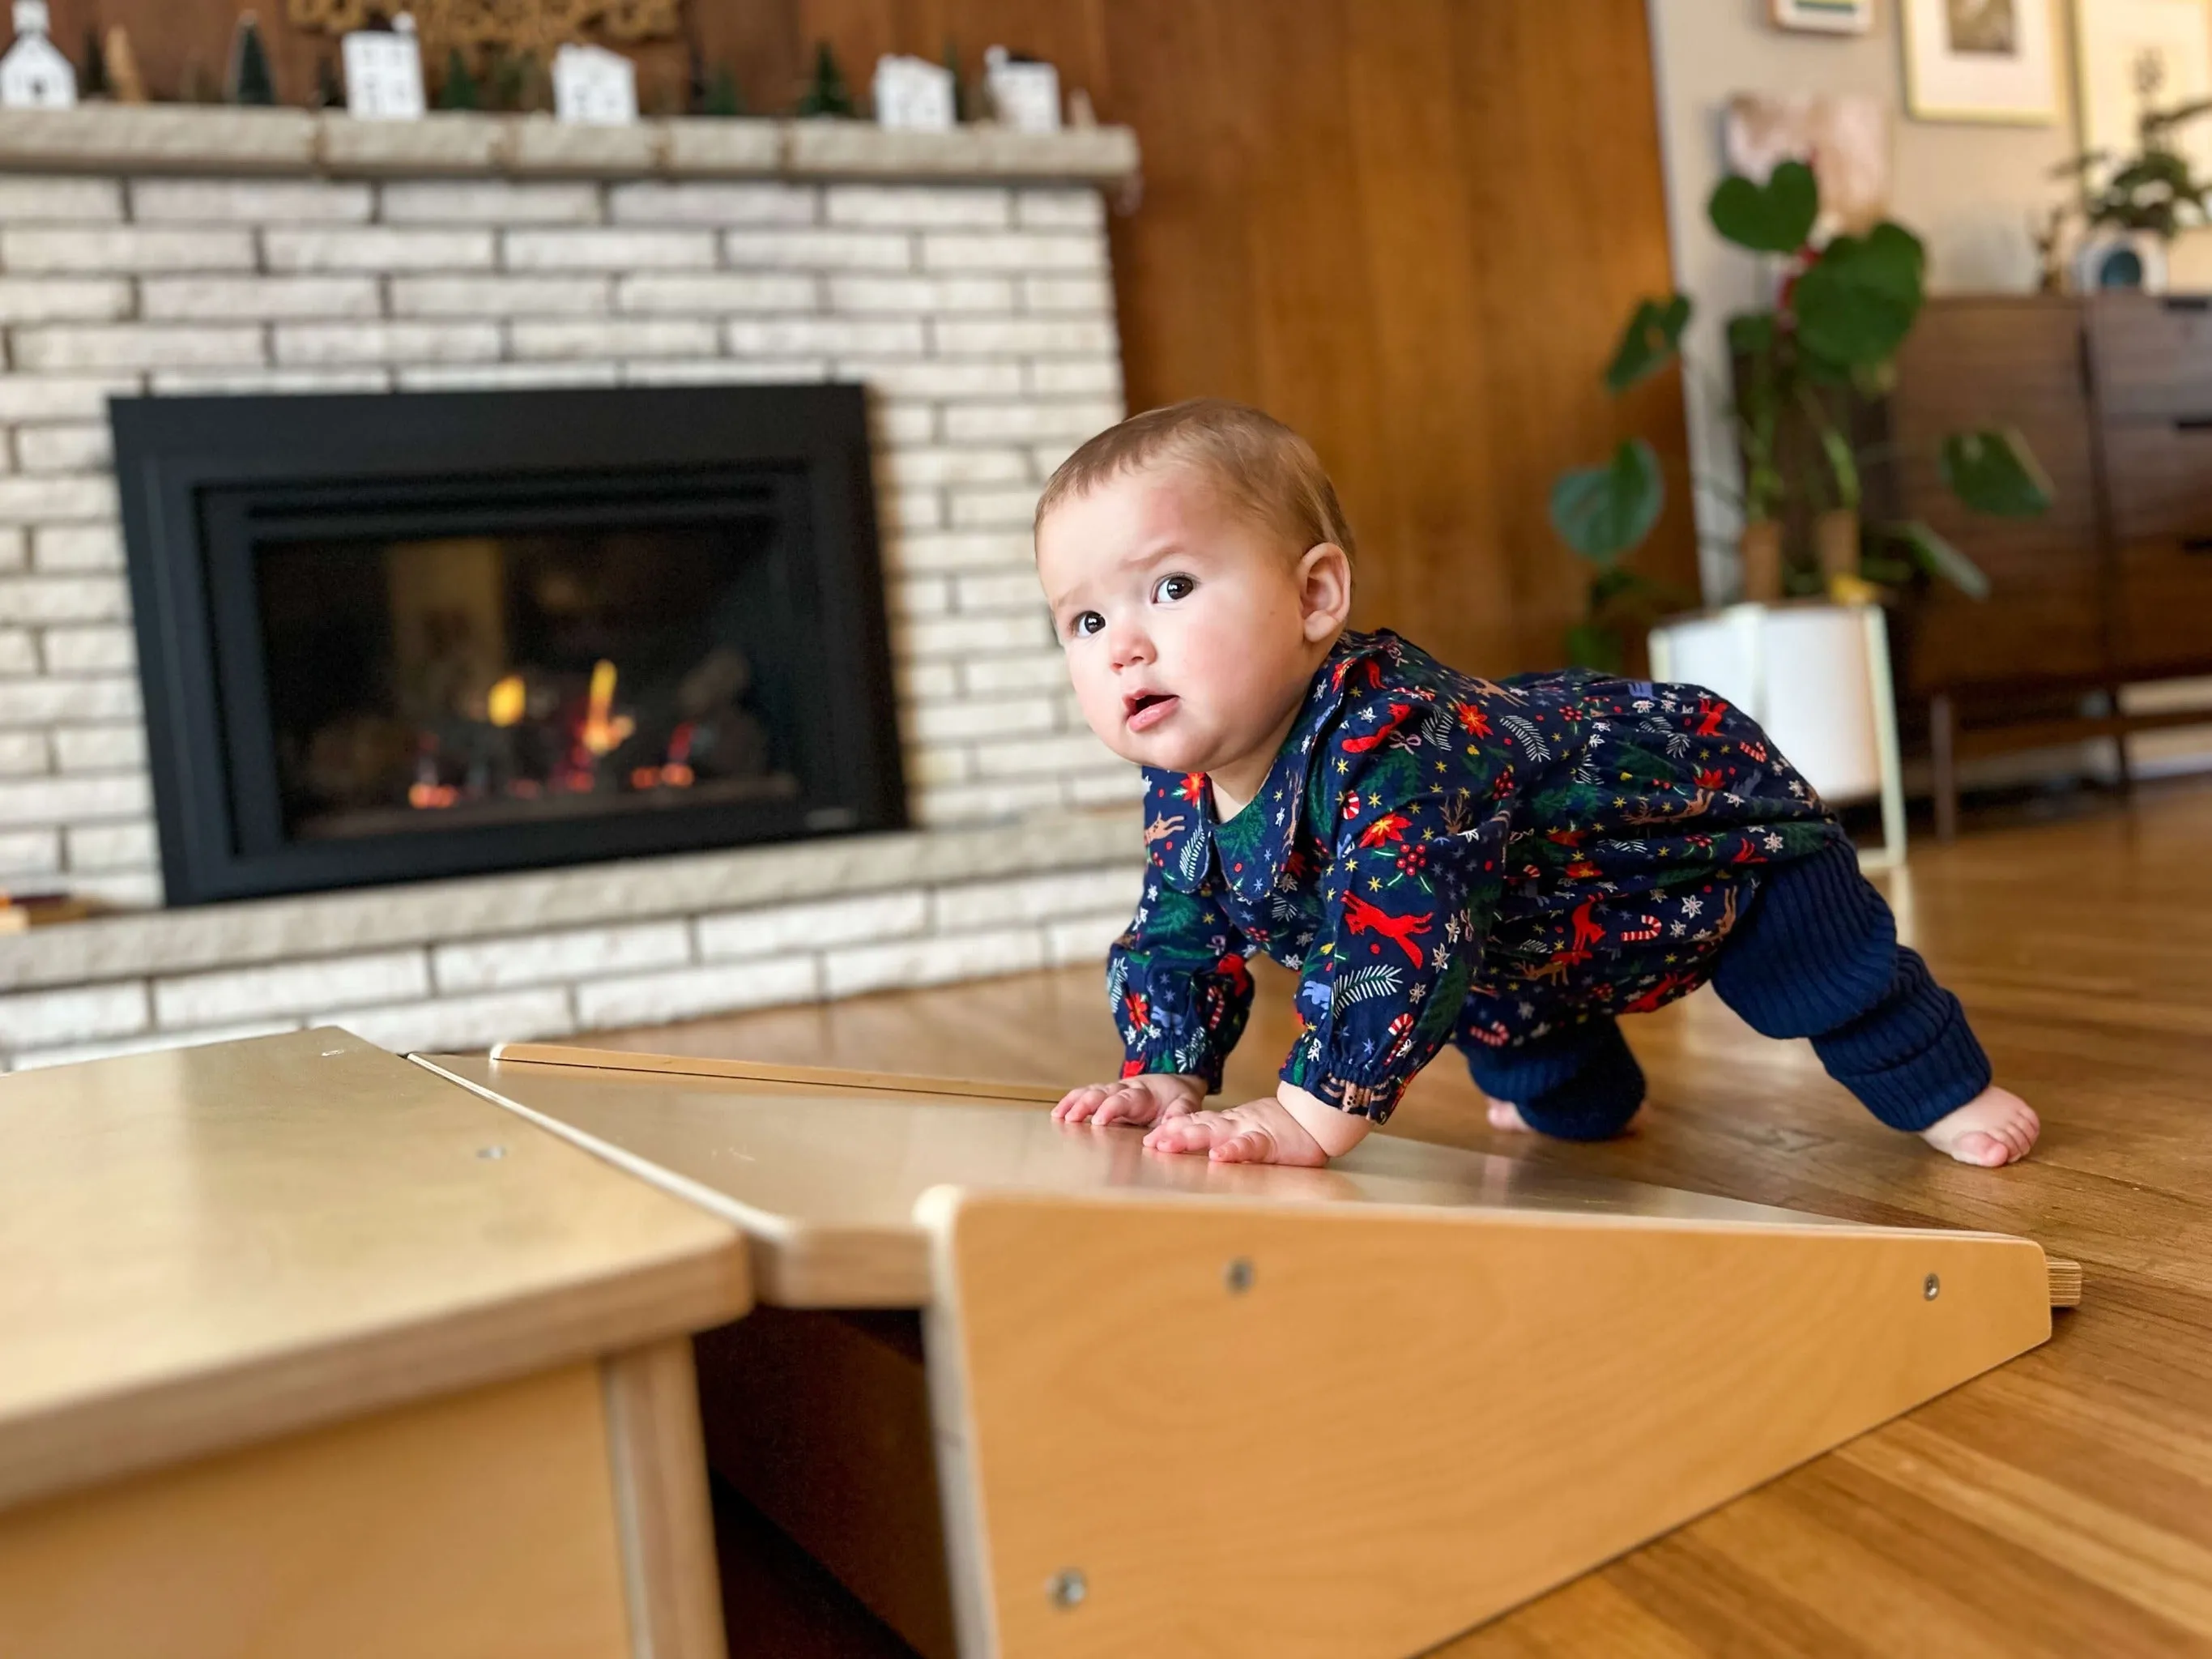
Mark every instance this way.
x=2130 y=56
x=1980 y=60
x=1823 y=16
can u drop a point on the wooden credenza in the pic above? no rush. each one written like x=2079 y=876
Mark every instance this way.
x=2114 y=586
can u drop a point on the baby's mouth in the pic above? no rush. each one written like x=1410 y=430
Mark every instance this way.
x=1148 y=709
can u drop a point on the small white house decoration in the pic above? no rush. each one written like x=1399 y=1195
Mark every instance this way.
x=384 y=72
x=913 y=95
x=35 y=74
x=594 y=87
x=1025 y=92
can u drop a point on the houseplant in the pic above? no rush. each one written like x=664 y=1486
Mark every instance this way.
x=1801 y=368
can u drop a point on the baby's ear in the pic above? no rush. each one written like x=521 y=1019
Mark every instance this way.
x=1324 y=591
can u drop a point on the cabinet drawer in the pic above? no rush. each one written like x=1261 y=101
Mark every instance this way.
x=2152 y=355
x=2160 y=475
x=2164 y=611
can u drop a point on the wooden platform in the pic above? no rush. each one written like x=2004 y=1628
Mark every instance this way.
x=2060 y=1505
x=1469 y=1379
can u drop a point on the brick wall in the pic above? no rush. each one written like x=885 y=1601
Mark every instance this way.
x=981 y=317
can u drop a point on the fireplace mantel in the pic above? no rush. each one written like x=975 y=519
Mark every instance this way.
x=198 y=139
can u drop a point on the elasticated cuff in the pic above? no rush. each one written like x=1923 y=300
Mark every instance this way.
x=1913 y=1058
x=1582 y=1084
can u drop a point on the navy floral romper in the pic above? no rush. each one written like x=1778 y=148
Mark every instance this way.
x=1508 y=867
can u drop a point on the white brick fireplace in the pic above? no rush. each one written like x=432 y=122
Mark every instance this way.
x=963 y=278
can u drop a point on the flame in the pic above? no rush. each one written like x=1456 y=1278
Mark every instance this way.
x=604 y=731
x=506 y=702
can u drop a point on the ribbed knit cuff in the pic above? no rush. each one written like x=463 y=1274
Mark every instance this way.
x=1578 y=1084
x=1911 y=1058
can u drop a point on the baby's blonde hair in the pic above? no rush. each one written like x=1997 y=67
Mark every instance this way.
x=1260 y=463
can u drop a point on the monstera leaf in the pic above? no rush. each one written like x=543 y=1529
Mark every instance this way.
x=1993 y=471
x=1649 y=343
x=1775 y=217
x=1856 y=304
x=1601 y=512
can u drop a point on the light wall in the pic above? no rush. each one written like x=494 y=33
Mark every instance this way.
x=1968 y=189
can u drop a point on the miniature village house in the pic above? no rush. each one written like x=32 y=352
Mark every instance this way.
x=384 y=72
x=35 y=74
x=594 y=87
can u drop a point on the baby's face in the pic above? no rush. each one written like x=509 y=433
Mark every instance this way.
x=1180 y=618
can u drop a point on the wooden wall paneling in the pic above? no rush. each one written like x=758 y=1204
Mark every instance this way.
x=1410 y=231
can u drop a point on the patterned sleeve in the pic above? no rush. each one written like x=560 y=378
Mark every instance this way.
x=1178 y=984
x=1410 y=892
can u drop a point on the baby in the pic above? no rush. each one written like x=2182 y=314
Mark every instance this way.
x=1443 y=858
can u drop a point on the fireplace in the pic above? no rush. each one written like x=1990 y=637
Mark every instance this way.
x=386 y=638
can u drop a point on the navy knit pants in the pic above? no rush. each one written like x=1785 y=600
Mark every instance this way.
x=1815 y=955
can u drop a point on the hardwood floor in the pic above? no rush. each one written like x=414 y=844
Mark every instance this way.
x=2060 y=1505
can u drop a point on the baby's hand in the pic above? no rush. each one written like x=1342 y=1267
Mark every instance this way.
x=1290 y=1127
x=1142 y=1100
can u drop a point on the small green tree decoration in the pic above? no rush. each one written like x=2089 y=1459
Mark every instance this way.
x=461 y=90
x=963 y=102
x=827 y=95
x=721 y=96
x=1833 y=332
x=92 y=83
x=252 y=82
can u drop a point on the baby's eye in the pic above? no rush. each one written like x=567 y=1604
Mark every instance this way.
x=1085 y=623
x=1171 y=588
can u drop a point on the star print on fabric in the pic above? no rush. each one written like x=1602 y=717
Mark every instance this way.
x=1377 y=869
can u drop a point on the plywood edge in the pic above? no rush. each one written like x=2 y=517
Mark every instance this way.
x=750 y=1071
x=2065 y=1278
x=1060 y=1534
x=793 y=1266
x=662 y=1511
x=102 y=1438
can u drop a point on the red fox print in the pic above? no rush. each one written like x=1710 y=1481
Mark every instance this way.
x=1710 y=710
x=1587 y=934
x=1369 y=670
x=1380 y=734
x=1362 y=917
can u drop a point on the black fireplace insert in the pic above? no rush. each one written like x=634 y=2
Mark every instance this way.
x=387 y=638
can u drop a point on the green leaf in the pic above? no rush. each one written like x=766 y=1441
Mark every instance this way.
x=1590 y=645
x=1993 y=471
x=1603 y=512
x=1649 y=343
x=1859 y=301
x=1775 y=217
x=1939 y=558
x=1751 y=333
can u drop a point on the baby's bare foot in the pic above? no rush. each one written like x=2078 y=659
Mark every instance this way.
x=1505 y=1115
x=1996 y=1128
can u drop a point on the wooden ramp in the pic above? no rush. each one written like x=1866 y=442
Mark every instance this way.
x=1184 y=1408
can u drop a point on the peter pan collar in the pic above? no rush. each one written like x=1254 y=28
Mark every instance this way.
x=1181 y=835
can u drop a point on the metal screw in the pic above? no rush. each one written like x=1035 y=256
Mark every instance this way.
x=1068 y=1587
x=1237 y=1275
x=1931 y=1287
x=494 y=1153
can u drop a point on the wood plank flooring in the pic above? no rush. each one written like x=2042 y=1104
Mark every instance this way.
x=2059 y=1506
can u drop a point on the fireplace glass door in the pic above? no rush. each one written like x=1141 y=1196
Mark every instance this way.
x=475 y=632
